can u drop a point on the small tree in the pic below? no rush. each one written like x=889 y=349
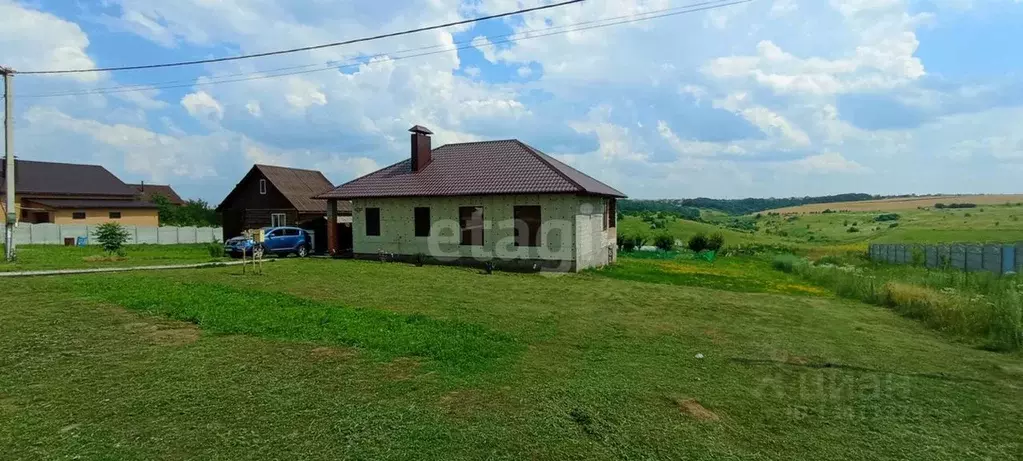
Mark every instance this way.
x=715 y=242
x=698 y=242
x=664 y=242
x=112 y=236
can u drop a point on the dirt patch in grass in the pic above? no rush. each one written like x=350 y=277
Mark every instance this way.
x=693 y=408
x=715 y=336
x=104 y=259
x=176 y=336
x=166 y=334
x=325 y=353
x=402 y=369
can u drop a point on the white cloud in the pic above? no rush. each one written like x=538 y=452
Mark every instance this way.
x=691 y=148
x=524 y=71
x=36 y=40
x=203 y=106
x=472 y=71
x=254 y=108
x=828 y=162
x=484 y=46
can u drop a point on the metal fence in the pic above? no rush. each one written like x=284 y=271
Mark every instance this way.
x=999 y=258
x=61 y=234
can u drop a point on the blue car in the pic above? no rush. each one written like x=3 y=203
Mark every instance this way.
x=280 y=241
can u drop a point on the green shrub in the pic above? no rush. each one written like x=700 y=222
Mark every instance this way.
x=853 y=229
x=788 y=263
x=893 y=225
x=887 y=217
x=112 y=237
x=698 y=242
x=215 y=249
x=715 y=241
x=664 y=242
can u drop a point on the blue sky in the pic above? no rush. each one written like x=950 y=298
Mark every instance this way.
x=768 y=98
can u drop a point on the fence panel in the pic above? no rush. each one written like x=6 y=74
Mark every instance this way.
x=991 y=258
x=997 y=258
x=54 y=234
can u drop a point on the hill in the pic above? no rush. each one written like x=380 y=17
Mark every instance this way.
x=900 y=203
x=731 y=206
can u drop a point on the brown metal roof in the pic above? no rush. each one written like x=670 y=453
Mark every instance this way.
x=476 y=168
x=147 y=191
x=84 y=204
x=299 y=186
x=49 y=178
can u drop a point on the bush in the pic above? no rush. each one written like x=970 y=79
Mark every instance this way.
x=215 y=248
x=715 y=242
x=112 y=236
x=887 y=217
x=698 y=242
x=630 y=243
x=853 y=229
x=893 y=225
x=664 y=242
x=788 y=263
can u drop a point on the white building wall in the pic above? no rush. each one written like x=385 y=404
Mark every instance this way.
x=596 y=247
x=561 y=215
x=397 y=227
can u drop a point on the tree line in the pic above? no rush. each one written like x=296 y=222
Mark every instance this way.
x=731 y=206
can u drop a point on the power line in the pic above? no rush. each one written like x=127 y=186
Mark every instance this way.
x=309 y=48
x=319 y=67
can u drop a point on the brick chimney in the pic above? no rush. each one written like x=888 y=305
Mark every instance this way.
x=420 y=147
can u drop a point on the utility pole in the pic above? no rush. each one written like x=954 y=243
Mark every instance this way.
x=12 y=216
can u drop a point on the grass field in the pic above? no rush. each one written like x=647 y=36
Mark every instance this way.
x=989 y=223
x=323 y=359
x=43 y=257
x=903 y=204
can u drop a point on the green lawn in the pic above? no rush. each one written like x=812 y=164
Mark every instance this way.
x=44 y=257
x=346 y=359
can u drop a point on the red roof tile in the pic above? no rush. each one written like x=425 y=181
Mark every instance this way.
x=476 y=168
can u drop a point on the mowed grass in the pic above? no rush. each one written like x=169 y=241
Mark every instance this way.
x=561 y=367
x=45 y=257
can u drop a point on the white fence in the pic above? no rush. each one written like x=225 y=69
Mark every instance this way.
x=57 y=234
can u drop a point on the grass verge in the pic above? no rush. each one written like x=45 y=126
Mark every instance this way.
x=979 y=307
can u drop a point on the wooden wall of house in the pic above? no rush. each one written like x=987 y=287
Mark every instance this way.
x=245 y=208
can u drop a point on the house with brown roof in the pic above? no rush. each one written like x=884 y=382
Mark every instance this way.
x=66 y=193
x=146 y=192
x=272 y=196
x=502 y=202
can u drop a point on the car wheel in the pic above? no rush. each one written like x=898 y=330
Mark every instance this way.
x=302 y=252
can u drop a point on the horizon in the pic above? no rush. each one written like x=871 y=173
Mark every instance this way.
x=767 y=99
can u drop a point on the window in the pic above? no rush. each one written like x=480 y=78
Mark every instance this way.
x=527 y=226
x=373 y=221
x=262 y=187
x=78 y=215
x=422 y=221
x=470 y=221
x=289 y=232
x=115 y=215
x=610 y=213
x=278 y=219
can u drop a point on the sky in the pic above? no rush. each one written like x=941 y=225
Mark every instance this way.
x=765 y=98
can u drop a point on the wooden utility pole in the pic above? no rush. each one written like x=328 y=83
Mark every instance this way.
x=12 y=216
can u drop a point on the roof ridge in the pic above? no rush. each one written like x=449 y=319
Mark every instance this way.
x=263 y=165
x=543 y=158
x=59 y=163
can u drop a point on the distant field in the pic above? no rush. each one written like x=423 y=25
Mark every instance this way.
x=897 y=204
